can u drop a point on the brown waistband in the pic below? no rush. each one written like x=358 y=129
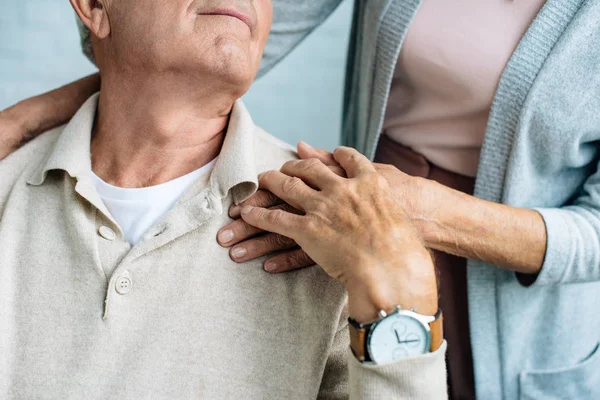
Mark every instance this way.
x=415 y=164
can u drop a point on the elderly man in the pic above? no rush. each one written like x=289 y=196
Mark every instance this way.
x=111 y=282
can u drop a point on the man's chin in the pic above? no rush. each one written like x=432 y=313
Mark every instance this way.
x=232 y=65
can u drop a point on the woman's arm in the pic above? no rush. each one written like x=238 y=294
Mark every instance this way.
x=463 y=225
x=456 y=223
x=33 y=116
x=447 y=220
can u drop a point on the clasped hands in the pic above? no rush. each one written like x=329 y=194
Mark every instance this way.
x=338 y=210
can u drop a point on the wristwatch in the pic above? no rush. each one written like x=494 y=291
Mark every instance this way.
x=401 y=334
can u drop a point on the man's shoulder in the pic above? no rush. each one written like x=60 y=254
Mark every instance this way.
x=271 y=152
x=27 y=159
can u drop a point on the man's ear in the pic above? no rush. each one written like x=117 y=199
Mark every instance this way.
x=93 y=14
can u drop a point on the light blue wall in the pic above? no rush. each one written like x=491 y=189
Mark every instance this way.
x=299 y=100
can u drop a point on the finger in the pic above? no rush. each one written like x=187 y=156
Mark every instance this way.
x=353 y=162
x=306 y=151
x=275 y=221
x=339 y=171
x=239 y=230
x=236 y=232
x=261 y=246
x=311 y=171
x=384 y=167
x=290 y=189
x=261 y=198
x=288 y=261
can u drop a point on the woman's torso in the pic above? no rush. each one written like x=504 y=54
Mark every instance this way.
x=539 y=148
x=447 y=73
x=440 y=99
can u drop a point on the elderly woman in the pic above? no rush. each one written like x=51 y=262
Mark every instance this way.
x=485 y=120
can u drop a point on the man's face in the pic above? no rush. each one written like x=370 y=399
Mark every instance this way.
x=223 y=39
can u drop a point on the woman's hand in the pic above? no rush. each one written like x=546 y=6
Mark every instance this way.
x=354 y=229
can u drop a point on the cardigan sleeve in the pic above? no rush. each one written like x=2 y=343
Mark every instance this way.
x=573 y=239
x=293 y=21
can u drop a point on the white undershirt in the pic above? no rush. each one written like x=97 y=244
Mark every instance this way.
x=136 y=210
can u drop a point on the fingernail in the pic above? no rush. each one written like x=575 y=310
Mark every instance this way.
x=234 y=211
x=246 y=210
x=270 y=266
x=226 y=236
x=238 y=252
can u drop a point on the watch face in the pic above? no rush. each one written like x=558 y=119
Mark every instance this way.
x=398 y=337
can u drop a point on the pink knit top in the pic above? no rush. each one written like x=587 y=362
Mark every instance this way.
x=447 y=75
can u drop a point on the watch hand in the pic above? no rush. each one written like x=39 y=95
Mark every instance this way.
x=409 y=341
x=397 y=336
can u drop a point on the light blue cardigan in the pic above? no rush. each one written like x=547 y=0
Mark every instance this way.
x=541 y=151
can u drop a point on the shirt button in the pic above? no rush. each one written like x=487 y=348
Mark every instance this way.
x=107 y=233
x=123 y=285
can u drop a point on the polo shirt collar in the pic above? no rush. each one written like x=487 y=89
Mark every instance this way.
x=235 y=170
x=71 y=152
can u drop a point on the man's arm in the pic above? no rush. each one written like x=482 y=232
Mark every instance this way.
x=422 y=377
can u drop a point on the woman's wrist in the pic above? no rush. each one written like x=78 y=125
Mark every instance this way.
x=31 y=117
x=12 y=130
x=433 y=207
x=49 y=110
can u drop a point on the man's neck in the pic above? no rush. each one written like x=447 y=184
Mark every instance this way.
x=146 y=134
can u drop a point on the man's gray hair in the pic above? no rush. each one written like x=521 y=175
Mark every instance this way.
x=86 y=41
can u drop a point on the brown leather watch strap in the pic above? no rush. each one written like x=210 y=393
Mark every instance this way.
x=437 y=332
x=358 y=341
x=359 y=333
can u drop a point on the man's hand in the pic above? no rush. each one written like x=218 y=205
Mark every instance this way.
x=250 y=242
x=354 y=229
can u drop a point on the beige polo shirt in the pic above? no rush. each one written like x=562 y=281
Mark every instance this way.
x=83 y=315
